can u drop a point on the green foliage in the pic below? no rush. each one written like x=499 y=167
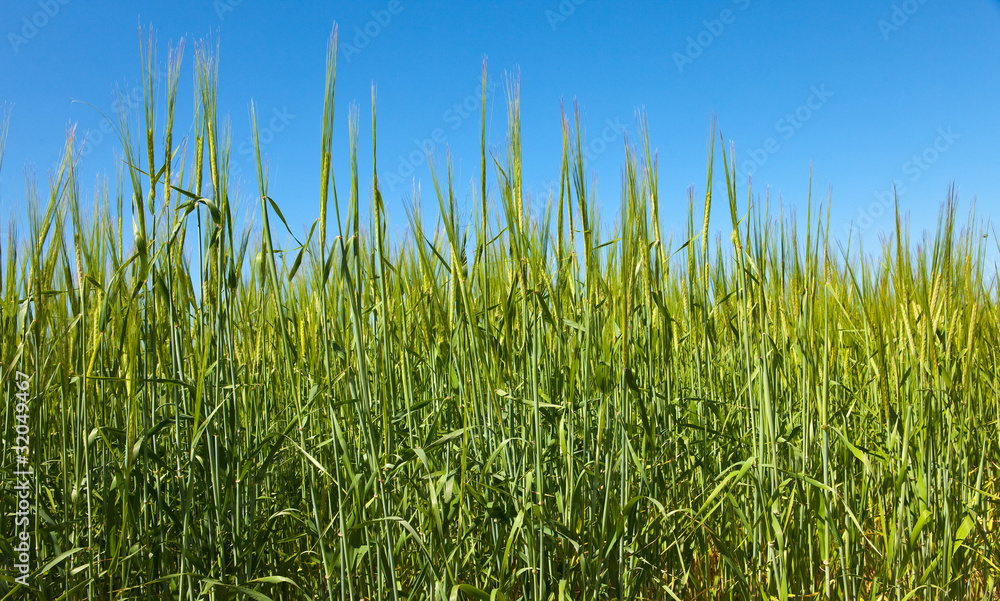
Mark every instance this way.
x=538 y=415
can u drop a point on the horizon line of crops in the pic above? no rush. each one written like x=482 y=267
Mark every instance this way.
x=518 y=408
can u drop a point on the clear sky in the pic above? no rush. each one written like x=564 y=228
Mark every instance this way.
x=866 y=93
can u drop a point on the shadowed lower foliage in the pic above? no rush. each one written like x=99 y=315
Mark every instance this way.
x=502 y=406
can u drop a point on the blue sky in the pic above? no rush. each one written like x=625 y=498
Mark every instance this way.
x=864 y=93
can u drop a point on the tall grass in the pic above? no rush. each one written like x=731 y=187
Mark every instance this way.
x=498 y=406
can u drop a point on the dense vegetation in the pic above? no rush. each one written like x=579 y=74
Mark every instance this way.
x=498 y=406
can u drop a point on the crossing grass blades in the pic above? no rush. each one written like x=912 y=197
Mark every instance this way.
x=501 y=405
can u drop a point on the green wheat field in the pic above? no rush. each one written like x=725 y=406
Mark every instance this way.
x=502 y=404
